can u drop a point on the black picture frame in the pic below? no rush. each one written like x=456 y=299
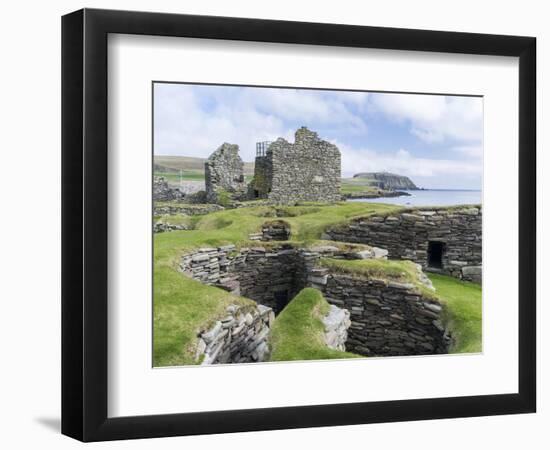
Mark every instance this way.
x=84 y=224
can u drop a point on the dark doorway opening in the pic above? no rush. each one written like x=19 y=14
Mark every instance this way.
x=435 y=254
x=281 y=300
x=256 y=193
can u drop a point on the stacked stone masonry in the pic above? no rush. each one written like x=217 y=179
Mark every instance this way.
x=267 y=276
x=336 y=324
x=446 y=240
x=276 y=230
x=306 y=170
x=185 y=209
x=387 y=318
x=240 y=337
x=224 y=172
x=163 y=192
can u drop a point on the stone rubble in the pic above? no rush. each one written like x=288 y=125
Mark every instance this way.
x=163 y=192
x=185 y=209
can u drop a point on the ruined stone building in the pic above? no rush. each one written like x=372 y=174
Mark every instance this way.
x=307 y=170
x=223 y=172
x=445 y=240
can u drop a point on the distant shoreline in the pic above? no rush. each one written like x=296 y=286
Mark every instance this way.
x=379 y=194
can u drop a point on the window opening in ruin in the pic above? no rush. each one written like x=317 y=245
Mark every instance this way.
x=435 y=254
x=281 y=300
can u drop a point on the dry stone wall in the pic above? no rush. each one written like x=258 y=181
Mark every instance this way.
x=240 y=337
x=270 y=276
x=276 y=230
x=163 y=192
x=260 y=187
x=264 y=275
x=446 y=240
x=224 y=171
x=387 y=318
x=306 y=170
x=185 y=209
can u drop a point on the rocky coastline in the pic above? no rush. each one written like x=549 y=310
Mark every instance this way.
x=381 y=193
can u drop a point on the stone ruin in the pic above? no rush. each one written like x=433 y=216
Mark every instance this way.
x=162 y=192
x=307 y=170
x=369 y=317
x=444 y=240
x=223 y=172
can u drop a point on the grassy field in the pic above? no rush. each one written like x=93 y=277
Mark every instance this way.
x=356 y=185
x=190 y=165
x=298 y=331
x=463 y=300
x=174 y=177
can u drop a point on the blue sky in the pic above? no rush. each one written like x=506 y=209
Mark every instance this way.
x=435 y=140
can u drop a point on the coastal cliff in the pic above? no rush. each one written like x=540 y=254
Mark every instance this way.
x=387 y=181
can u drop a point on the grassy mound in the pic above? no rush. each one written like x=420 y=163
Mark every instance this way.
x=463 y=300
x=298 y=331
x=182 y=306
x=380 y=269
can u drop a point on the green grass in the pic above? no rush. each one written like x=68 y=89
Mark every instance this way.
x=463 y=301
x=187 y=175
x=171 y=162
x=356 y=185
x=182 y=306
x=298 y=331
x=177 y=219
x=386 y=270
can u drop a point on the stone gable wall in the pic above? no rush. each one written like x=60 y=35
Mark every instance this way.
x=307 y=170
x=260 y=186
x=406 y=235
x=224 y=171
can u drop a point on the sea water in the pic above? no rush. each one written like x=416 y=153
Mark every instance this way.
x=430 y=197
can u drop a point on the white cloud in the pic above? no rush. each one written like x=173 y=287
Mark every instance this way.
x=472 y=151
x=194 y=122
x=434 y=118
x=402 y=162
x=184 y=125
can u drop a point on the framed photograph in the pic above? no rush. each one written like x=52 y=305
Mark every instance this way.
x=273 y=224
